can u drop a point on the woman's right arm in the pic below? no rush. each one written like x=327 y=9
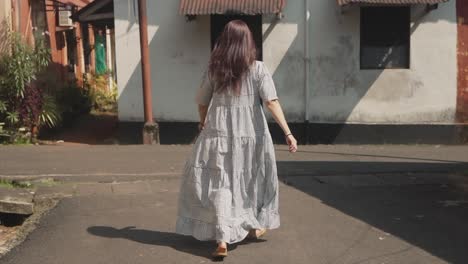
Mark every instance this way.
x=275 y=108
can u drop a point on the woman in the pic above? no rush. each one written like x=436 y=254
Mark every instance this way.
x=229 y=189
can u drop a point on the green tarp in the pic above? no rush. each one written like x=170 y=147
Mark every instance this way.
x=100 y=51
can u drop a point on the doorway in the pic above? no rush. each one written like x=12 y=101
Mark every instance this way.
x=254 y=22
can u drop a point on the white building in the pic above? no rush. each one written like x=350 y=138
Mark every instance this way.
x=344 y=73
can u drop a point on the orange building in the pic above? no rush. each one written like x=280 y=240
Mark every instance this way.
x=52 y=18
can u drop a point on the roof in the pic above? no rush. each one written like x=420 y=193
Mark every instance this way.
x=78 y=3
x=247 y=7
x=99 y=12
x=390 y=2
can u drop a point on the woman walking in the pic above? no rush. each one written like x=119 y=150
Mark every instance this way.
x=229 y=189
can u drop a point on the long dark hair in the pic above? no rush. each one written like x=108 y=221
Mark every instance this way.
x=232 y=56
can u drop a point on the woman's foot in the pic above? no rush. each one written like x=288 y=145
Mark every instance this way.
x=256 y=233
x=221 y=250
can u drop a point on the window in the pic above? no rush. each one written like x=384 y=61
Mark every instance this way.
x=385 y=37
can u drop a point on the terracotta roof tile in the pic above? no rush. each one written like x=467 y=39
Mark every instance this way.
x=250 y=7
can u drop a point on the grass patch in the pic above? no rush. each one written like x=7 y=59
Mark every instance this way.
x=46 y=182
x=15 y=184
x=26 y=184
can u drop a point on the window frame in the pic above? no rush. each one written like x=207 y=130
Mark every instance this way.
x=385 y=67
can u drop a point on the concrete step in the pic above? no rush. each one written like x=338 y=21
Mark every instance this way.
x=16 y=201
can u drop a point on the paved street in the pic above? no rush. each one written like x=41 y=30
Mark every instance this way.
x=338 y=204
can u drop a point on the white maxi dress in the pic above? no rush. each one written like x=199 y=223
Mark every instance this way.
x=229 y=182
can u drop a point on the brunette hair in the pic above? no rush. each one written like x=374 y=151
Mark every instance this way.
x=232 y=56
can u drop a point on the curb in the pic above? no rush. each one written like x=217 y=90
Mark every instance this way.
x=97 y=177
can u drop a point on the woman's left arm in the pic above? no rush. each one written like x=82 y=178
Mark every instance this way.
x=202 y=110
x=203 y=98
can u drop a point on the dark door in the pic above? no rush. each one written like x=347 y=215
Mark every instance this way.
x=254 y=22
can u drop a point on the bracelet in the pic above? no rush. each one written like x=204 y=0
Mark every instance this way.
x=288 y=134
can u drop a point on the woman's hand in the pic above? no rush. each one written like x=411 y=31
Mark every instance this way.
x=277 y=112
x=201 y=126
x=292 y=143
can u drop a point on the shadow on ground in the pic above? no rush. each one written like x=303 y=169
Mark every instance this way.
x=355 y=163
x=178 y=242
x=413 y=201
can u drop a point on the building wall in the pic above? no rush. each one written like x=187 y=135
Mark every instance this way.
x=339 y=91
x=24 y=26
x=179 y=52
x=284 y=55
x=15 y=16
x=60 y=63
x=5 y=10
x=5 y=23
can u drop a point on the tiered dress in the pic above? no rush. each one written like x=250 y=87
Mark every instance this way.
x=229 y=182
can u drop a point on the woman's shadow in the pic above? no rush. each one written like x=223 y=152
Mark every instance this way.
x=178 y=242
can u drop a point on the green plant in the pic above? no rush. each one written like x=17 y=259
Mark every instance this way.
x=20 y=66
x=15 y=184
x=103 y=97
x=73 y=101
x=105 y=101
x=3 y=134
x=50 y=115
x=24 y=106
x=3 y=106
x=42 y=53
x=79 y=100
x=12 y=118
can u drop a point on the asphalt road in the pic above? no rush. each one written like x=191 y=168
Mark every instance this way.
x=409 y=206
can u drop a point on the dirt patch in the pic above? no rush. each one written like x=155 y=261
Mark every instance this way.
x=11 y=235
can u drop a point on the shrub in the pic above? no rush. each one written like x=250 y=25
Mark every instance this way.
x=24 y=107
x=102 y=98
x=74 y=101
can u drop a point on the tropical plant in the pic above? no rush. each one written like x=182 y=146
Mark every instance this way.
x=3 y=107
x=103 y=97
x=24 y=107
x=19 y=67
x=105 y=101
x=50 y=115
x=74 y=99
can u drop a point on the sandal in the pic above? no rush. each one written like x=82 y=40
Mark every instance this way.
x=253 y=233
x=220 y=252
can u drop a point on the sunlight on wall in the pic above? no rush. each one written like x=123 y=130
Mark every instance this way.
x=279 y=40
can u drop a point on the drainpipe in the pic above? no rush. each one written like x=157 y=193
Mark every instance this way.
x=151 y=128
x=306 y=69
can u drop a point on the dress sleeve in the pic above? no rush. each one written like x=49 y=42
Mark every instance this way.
x=266 y=86
x=205 y=91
